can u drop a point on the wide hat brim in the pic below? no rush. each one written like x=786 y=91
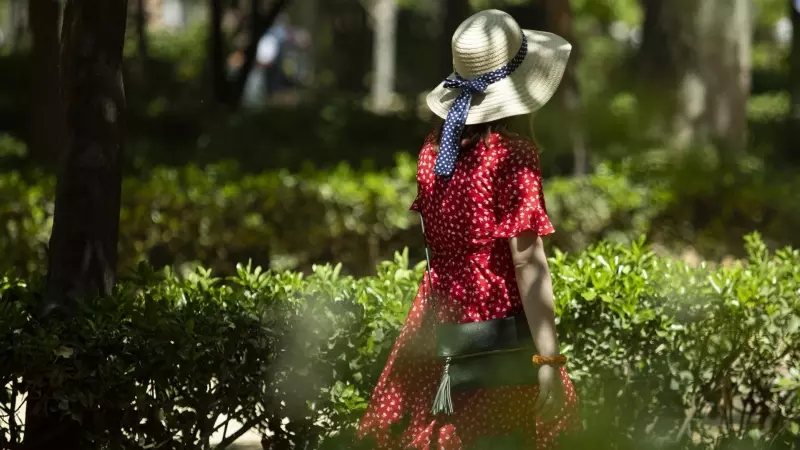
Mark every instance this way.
x=526 y=90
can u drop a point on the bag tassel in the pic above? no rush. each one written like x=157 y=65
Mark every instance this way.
x=443 y=403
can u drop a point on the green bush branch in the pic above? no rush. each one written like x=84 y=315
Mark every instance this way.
x=661 y=352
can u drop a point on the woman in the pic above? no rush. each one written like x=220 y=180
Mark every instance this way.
x=481 y=199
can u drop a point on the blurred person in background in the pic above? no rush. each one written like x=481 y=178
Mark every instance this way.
x=266 y=77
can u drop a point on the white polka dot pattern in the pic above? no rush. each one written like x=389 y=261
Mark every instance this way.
x=457 y=116
x=495 y=192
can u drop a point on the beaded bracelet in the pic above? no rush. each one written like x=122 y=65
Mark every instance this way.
x=559 y=360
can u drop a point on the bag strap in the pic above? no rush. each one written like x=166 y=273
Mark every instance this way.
x=443 y=402
x=431 y=297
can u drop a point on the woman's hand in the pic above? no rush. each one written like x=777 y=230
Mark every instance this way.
x=550 y=401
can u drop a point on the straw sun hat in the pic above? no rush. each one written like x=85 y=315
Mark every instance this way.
x=489 y=41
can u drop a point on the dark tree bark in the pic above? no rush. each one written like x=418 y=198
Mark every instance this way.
x=530 y=15
x=791 y=135
x=658 y=55
x=219 y=87
x=558 y=14
x=44 y=19
x=664 y=58
x=83 y=244
x=259 y=25
x=346 y=25
x=309 y=16
x=455 y=12
x=142 y=43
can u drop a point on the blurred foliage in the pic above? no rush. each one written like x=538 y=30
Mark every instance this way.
x=664 y=355
x=173 y=119
x=11 y=147
x=219 y=214
x=318 y=135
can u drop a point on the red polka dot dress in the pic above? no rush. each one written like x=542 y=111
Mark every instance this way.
x=495 y=193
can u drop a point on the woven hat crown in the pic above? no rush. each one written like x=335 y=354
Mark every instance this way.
x=485 y=42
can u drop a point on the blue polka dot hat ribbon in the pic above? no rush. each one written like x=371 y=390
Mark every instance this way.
x=450 y=142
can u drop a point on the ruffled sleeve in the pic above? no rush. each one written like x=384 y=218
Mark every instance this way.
x=519 y=198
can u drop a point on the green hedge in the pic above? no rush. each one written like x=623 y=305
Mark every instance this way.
x=664 y=355
x=219 y=216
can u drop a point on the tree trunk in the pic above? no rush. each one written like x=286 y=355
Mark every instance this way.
x=384 y=48
x=668 y=53
x=83 y=244
x=725 y=40
x=309 y=18
x=656 y=64
x=791 y=135
x=19 y=23
x=657 y=59
x=44 y=19
x=141 y=32
x=455 y=12
x=260 y=25
x=173 y=14
x=217 y=60
x=559 y=18
x=698 y=54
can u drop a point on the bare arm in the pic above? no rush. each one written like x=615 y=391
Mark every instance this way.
x=536 y=290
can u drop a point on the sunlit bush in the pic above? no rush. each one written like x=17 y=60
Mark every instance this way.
x=663 y=355
x=218 y=215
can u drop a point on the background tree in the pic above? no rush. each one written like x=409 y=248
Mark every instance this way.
x=791 y=134
x=216 y=60
x=259 y=24
x=383 y=15
x=453 y=13
x=18 y=23
x=83 y=244
x=694 y=62
x=722 y=60
x=559 y=21
x=44 y=20
x=85 y=226
x=140 y=16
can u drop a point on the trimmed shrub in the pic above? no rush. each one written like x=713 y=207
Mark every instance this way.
x=220 y=216
x=664 y=355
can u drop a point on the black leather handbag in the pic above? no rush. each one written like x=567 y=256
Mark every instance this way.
x=486 y=354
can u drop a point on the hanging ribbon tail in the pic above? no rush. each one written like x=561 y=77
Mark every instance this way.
x=443 y=403
x=450 y=143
